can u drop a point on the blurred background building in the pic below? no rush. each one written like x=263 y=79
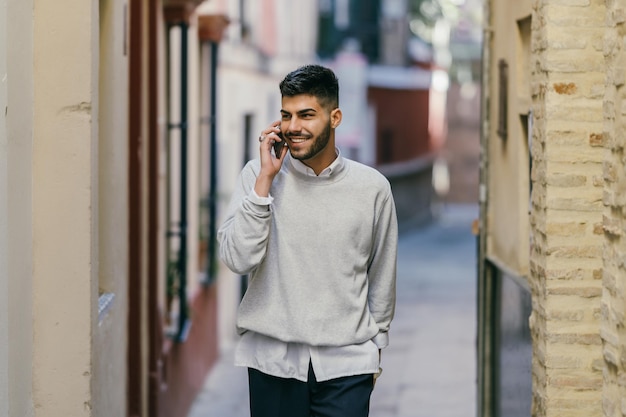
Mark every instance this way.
x=124 y=125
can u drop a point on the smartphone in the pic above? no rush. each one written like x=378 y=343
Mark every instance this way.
x=278 y=146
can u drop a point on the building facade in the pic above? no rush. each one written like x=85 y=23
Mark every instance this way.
x=551 y=272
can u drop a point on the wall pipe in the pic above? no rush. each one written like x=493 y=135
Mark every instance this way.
x=213 y=172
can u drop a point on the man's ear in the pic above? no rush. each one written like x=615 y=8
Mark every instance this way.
x=335 y=117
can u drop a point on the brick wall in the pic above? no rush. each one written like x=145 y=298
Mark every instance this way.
x=566 y=214
x=614 y=275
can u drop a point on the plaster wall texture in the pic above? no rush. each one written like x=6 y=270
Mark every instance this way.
x=64 y=189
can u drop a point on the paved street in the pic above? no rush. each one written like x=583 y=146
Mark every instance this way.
x=429 y=367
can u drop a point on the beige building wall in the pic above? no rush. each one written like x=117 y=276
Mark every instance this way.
x=508 y=183
x=64 y=206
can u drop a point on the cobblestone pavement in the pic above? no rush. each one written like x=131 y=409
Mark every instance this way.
x=430 y=364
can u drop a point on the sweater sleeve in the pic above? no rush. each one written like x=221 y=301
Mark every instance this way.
x=244 y=233
x=382 y=271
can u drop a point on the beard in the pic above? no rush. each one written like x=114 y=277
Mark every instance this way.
x=319 y=143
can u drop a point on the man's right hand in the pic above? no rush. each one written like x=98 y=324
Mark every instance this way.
x=270 y=164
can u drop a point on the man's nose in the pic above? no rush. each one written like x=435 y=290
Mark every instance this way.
x=295 y=125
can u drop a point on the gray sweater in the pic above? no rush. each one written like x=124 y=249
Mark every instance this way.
x=321 y=257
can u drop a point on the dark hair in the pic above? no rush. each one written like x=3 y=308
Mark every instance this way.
x=315 y=80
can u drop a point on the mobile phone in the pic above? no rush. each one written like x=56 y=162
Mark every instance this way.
x=278 y=146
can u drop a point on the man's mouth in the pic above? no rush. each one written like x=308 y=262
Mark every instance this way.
x=298 y=139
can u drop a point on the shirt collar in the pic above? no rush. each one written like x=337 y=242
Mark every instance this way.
x=327 y=172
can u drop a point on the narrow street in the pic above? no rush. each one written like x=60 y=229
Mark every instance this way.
x=429 y=369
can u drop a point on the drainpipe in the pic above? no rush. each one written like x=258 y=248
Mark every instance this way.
x=184 y=125
x=212 y=244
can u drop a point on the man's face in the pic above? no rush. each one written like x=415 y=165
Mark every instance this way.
x=306 y=126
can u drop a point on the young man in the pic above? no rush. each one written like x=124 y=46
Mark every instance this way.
x=318 y=235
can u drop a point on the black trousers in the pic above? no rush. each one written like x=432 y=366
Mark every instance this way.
x=271 y=396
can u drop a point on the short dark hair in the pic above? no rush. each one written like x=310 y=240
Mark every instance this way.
x=314 y=80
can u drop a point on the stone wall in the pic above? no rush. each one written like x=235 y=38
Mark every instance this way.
x=566 y=214
x=614 y=274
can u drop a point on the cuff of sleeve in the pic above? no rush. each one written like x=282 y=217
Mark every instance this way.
x=381 y=340
x=261 y=201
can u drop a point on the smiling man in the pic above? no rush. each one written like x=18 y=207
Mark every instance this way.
x=317 y=234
